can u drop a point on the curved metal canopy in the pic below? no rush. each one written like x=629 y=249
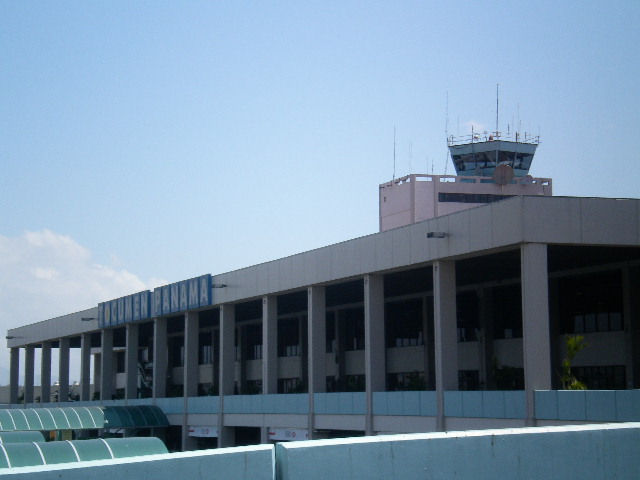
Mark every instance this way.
x=81 y=418
x=21 y=437
x=47 y=453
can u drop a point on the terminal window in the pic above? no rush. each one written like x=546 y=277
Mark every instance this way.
x=470 y=197
x=592 y=303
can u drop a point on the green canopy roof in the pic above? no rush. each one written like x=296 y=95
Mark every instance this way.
x=47 y=453
x=80 y=418
x=21 y=437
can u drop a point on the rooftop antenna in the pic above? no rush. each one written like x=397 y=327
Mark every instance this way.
x=446 y=119
x=446 y=134
x=410 y=156
x=394 y=152
x=497 y=112
x=497 y=105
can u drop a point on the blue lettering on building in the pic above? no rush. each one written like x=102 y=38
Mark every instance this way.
x=156 y=303
x=205 y=290
x=144 y=304
x=128 y=308
x=183 y=295
x=166 y=300
x=176 y=297
x=121 y=310
x=194 y=298
x=136 y=307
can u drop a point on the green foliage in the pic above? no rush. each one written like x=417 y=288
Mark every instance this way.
x=574 y=344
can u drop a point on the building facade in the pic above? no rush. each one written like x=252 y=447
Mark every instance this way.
x=345 y=339
x=457 y=315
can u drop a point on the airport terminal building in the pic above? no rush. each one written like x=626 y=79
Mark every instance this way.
x=452 y=317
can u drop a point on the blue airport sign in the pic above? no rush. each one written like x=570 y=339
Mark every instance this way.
x=173 y=298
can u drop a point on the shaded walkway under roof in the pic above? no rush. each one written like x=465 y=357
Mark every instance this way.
x=82 y=418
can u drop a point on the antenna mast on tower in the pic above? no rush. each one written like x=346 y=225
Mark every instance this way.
x=446 y=134
x=497 y=105
x=394 y=152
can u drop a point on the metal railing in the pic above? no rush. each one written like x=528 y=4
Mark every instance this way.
x=485 y=136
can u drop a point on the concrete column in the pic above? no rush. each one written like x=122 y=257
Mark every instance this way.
x=29 y=366
x=160 y=357
x=374 y=344
x=190 y=386
x=85 y=367
x=131 y=361
x=269 y=344
x=14 y=374
x=264 y=435
x=316 y=328
x=191 y=327
x=535 y=322
x=106 y=365
x=445 y=333
x=63 y=370
x=45 y=373
x=227 y=370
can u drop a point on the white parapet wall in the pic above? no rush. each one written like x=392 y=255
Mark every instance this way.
x=606 y=451
x=569 y=452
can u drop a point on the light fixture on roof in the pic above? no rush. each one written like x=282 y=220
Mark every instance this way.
x=218 y=285
x=437 y=234
x=87 y=319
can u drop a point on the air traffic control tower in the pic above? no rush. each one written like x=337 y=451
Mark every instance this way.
x=489 y=167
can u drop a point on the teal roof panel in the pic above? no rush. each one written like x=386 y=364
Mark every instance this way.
x=135 y=446
x=59 y=417
x=23 y=454
x=4 y=459
x=33 y=419
x=21 y=437
x=94 y=449
x=6 y=421
x=20 y=420
x=48 y=453
x=80 y=418
x=58 y=452
x=46 y=418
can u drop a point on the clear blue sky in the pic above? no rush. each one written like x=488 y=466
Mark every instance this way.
x=156 y=141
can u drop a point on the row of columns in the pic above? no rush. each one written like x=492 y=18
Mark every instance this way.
x=537 y=350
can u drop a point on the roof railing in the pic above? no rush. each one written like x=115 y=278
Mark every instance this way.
x=485 y=136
